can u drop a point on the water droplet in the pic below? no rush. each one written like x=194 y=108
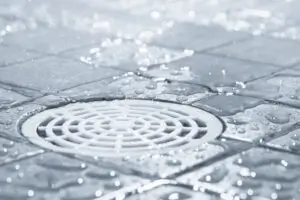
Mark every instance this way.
x=175 y=196
x=139 y=91
x=278 y=118
x=20 y=108
x=155 y=15
x=102 y=175
x=173 y=162
x=117 y=184
x=151 y=86
x=80 y=181
x=181 y=98
x=241 y=130
x=295 y=145
x=296 y=136
x=248 y=183
x=176 y=73
x=237 y=121
x=216 y=175
x=30 y=193
x=98 y=193
x=254 y=127
x=9 y=144
x=3 y=152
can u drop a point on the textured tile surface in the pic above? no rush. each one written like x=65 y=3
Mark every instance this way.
x=267 y=176
x=210 y=70
x=235 y=59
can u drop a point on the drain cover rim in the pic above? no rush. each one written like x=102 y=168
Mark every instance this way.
x=213 y=123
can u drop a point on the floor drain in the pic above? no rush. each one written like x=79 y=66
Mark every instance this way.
x=121 y=127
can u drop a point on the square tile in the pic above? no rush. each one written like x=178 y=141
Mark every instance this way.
x=227 y=105
x=278 y=52
x=210 y=70
x=271 y=175
x=198 y=38
x=53 y=74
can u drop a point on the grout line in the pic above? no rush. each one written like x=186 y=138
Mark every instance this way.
x=241 y=59
x=21 y=157
x=21 y=103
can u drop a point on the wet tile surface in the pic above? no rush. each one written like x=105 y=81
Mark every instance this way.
x=268 y=176
x=9 y=98
x=125 y=55
x=210 y=70
x=55 y=176
x=12 y=55
x=198 y=38
x=172 y=192
x=52 y=75
x=265 y=50
x=250 y=118
x=282 y=87
x=235 y=59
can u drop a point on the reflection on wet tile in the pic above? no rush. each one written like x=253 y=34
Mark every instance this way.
x=173 y=162
x=189 y=36
x=249 y=118
x=227 y=105
x=52 y=74
x=282 y=87
x=132 y=86
x=262 y=49
x=12 y=150
x=12 y=55
x=172 y=192
x=9 y=98
x=60 y=39
x=210 y=70
x=289 y=141
x=124 y=54
x=54 y=176
x=271 y=175
x=135 y=86
x=255 y=17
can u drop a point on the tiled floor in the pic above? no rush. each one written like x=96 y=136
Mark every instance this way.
x=236 y=59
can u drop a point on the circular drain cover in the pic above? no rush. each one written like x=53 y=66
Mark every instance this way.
x=121 y=127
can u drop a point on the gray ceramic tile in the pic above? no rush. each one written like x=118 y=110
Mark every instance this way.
x=12 y=55
x=251 y=119
x=9 y=98
x=191 y=36
x=126 y=55
x=50 y=40
x=55 y=176
x=257 y=173
x=210 y=70
x=53 y=74
x=265 y=50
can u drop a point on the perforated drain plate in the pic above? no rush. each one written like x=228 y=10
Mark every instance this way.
x=121 y=127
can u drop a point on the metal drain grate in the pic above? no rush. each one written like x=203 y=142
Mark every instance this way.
x=121 y=127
